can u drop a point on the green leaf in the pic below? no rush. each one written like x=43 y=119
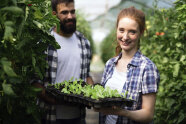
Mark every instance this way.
x=58 y=27
x=1 y=94
x=12 y=9
x=8 y=34
x=176 y=70
x=39 y=25
x=171 y=103
x=38 y=71
x=178 y=44
x=26 y=12
x=165 y=60
x=7 y=67
x=33 y=61
x=29 y=110
x=181 y=117
x=183 y=76
x=7 y=88
x=38 y=14
x=9 y=106
x=183 y=57
x=176 y=35
x=36 y=89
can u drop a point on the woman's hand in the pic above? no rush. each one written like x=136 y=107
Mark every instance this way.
x=144 y=115
x=114 y=110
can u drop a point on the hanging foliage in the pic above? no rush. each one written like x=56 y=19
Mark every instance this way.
x=24 y=37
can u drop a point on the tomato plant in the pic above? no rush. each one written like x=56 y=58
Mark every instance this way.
x=168 y=52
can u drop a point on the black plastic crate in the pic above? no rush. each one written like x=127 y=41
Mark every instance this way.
x=64 y=98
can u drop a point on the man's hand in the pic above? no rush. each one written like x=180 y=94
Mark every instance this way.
x=90 y=81
x=43 y=96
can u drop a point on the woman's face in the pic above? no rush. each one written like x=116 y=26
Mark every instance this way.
x=128 y=34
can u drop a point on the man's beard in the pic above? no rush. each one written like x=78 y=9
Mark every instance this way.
x=70 y=28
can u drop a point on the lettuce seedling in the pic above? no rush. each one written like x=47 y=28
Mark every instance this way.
x=94 y=92
x=87 y=90
x=65 y=90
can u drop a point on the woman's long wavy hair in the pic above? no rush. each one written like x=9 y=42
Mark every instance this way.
x=134 y=14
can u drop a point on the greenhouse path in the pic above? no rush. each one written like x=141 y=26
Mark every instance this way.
x=91 y=116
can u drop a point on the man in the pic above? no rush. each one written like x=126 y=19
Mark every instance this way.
x=72 y=60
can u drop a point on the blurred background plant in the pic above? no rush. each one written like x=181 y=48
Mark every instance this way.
x=165 y=45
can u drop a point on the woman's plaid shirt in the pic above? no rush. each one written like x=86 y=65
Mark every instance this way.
x=84 y=46
x=142 y=78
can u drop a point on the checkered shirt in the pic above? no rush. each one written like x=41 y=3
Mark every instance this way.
x=85 y=51
x=142 y=78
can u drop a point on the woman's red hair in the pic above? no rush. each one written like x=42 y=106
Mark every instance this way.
x=134 y=14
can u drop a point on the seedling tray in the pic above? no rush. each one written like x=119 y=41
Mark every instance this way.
x=64 y=98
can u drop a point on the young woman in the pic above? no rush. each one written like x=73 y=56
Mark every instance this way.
x=130 y=72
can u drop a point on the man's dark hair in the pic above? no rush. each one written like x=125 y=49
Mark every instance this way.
x=54 y=3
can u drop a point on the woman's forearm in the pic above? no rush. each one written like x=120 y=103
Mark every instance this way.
x=137 y=115
x=146 y=113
